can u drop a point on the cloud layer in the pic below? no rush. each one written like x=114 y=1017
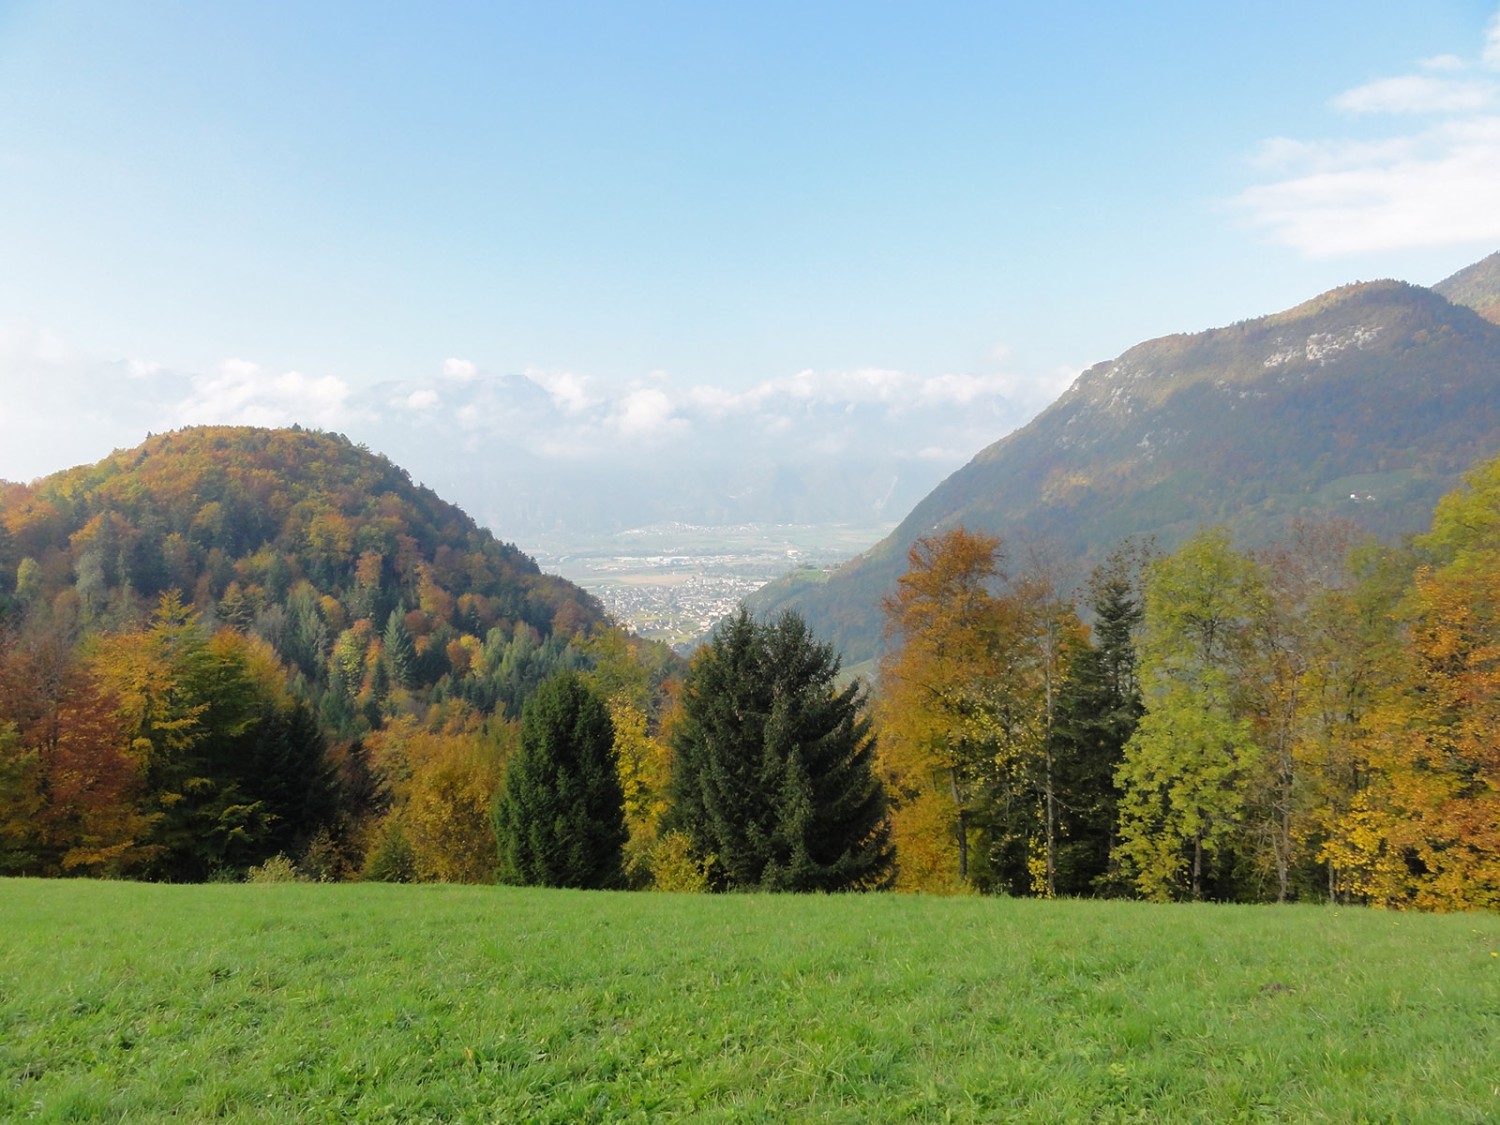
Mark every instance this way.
x=544 y=448
x=1432 y=180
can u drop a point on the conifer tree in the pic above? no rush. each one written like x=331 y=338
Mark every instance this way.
x=773 y=770
x=1098 y=709
x=401 y=650
x=560 y=819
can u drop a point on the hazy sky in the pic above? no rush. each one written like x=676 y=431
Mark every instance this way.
x=677 y=218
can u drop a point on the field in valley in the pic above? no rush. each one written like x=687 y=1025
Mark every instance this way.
x=444 y=1003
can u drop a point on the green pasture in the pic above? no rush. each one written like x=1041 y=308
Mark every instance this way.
x=287 y=1002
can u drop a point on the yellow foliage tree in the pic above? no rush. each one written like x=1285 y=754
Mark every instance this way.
x=442 y=784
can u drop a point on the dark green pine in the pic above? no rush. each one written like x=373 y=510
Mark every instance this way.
x=560 y=820
x=774 y=764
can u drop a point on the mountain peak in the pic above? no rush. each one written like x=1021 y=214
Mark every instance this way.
x=1366 y=402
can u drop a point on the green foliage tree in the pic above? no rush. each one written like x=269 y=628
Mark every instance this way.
x=560 y=820
x=773 y=767
x=1184 y=777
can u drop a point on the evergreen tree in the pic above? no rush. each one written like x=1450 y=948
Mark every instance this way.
x=287 y=768
x=560 y=819
x=401 y=650
x=773 y=770
x=1098 y=710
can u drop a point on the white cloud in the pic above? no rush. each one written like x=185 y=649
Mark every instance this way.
x=647 y=414
x=1447 y=63
x=244 y=393
x=569 y=391
x=1417 y=94
x=1436 y=186
x=941 y=455
x=59 y=408
x=1441 y=190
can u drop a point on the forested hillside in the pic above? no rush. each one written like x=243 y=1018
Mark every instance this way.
x=1477 y=286
x=1314 y=719
x=230 y=642
x=1366 y=403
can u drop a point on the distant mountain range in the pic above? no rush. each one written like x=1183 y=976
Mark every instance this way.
x=1367 y=402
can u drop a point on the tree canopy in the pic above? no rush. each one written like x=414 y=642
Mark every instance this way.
x=773 y=779
x=560 y=818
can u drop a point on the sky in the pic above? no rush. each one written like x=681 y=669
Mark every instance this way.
x=497 y=239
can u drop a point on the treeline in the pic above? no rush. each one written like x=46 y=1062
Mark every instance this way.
x=379 y=691
x=231 y=643
x=1318 y=721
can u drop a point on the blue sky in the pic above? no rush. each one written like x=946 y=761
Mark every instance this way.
x=669 y=215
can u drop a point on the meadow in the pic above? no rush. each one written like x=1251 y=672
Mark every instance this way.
x=443 y=1003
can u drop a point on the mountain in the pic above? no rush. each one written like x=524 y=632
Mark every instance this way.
x=1367 y=402
x=326 y=551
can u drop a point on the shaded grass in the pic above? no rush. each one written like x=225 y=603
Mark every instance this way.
x=387 y=1003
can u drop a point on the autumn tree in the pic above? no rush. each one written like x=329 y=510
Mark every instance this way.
x=773 y=764
x=69 y=786
x=1425 y=832
x=560 y=817
x=440 y=784
x=963 y=715
x=230 y=767
x=631 y=676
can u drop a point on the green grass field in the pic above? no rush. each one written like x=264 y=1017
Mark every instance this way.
x=388 y=1003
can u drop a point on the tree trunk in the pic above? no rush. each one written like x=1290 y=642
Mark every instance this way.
x=1051 y=828
x=1198 y=867
x=962 y=829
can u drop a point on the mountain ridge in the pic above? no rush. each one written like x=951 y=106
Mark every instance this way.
x=1366 y=401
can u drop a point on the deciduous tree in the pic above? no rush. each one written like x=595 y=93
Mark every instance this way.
x=1184 y=776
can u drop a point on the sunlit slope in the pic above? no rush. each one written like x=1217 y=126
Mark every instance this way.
x=1477 y=286
x=293 y=534
x=1366 y=402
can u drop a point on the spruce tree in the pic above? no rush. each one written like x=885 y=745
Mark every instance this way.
x=1097 y=712
x=400 y=650
x=773 y=767
x=560 y=818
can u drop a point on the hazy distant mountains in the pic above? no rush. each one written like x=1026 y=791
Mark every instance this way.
x=1367 y=402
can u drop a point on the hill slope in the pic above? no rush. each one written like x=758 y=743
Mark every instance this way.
x=1366 y=402
x=304 y=538
x=1477 y=286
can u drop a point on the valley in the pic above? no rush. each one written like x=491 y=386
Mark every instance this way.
x=673 y=581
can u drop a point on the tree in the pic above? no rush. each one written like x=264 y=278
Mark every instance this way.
x=560 y=819
x=1184 y=773
x=1426 y=832
x=441 y=784
x=773 y=771
x=401 y=650
x=963 y=709
x=1098 y=708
